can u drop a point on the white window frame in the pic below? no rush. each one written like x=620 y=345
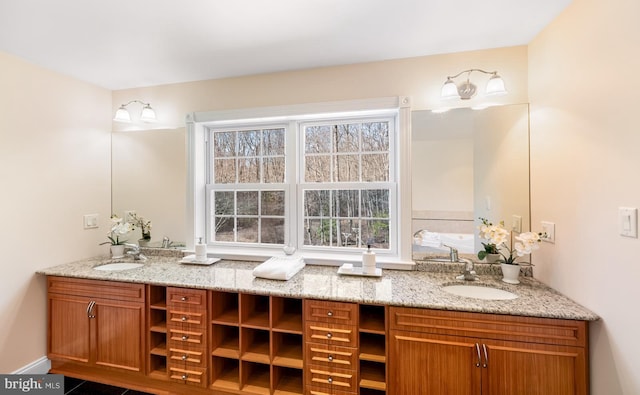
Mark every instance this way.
x=198 y=123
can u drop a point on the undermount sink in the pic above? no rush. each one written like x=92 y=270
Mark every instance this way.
x=118 y=266
x=479 y=292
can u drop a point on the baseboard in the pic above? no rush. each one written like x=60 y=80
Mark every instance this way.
x=40 y=366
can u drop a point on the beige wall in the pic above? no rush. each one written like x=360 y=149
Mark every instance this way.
x=585 y=156
x=54 y=168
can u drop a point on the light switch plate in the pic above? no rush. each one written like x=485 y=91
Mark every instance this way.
x=628 y=220
x=548 y=231
x=516 y=223
x=90 y=221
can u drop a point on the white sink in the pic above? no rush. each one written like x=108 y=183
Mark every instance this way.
x=118 y=266
x=479 y=292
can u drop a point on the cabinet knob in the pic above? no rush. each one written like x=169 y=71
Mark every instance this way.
x=185 y=337
x=184 y=318
x=184 y=377
x=330 y=380
x=330 y=358
x=329 y=335
x=184 y=298
x=184 y=357
x=330 y=313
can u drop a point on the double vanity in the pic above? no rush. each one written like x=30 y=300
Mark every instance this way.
x=165 y=327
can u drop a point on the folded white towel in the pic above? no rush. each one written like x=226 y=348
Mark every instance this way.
x=279 y=268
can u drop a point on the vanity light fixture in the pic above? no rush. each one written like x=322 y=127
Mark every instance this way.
x=147 y=115
x=466 y=90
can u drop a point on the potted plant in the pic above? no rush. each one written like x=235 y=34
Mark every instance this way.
x=145 y=227
x=117 y=231
x=496 y=235
x=525 y=243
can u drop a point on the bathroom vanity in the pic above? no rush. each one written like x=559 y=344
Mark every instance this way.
x=172 y=328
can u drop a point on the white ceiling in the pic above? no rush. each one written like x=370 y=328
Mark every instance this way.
x=119 y=44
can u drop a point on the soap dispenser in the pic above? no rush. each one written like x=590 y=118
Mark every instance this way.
x=201 y=251
x=368 y=261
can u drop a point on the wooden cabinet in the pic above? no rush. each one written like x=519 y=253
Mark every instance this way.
x=96 y=323
x=436 y=352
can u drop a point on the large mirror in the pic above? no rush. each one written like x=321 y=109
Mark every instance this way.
x=468 y=164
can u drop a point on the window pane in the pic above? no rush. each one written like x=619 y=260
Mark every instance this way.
x=272 y=230
x=223 y=229
x=376 y=233
x=347 y=168
x=375 y=203
x=375 y=136
x=249 y=143
x=274 y=169
x=375 y=167
x=224 y=144
x=273 y=141
x=247 y=202
x=224 y=203
x=248 y=170
x=247 y=230
x=317 y=139
x=348 y=232
x=347 y=137
x=273 y=203
x=316 y=203
x=225 y=171
x=346 y=203
x=317 y=168
x=317 y=232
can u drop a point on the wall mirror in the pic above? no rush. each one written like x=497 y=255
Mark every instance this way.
x=468 y=164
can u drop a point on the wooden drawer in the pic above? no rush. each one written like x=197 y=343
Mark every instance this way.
x=188 y=375
x=180 y=337
x=186 y=298
x=184 y=355
x=96 y=288
x=490 y=326
x=335 y=356
x=332 y=380
x=331 y=312
x=338 y=335
x=179 y=317
x=319 y=390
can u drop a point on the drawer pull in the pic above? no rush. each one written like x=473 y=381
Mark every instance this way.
x=185 y=337
x=184 y=318
x=330 y=380
x=330 y=358
x=329 y=335
x=184 y=357
x=184 y=377
x=329 y=313
x=184 y=298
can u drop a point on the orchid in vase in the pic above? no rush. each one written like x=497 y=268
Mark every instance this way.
x=118 y=230
x=497 y=237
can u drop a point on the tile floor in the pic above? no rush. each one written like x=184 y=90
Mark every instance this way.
x=81 y=387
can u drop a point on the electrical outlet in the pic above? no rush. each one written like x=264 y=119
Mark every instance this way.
x=548 y=231
x=91 y=221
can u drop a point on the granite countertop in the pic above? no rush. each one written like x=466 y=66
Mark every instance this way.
x=420 y=288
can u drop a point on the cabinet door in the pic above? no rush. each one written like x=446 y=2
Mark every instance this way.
x=119 y=334
x=427 y=364
x=515 y=368
x=69 y=328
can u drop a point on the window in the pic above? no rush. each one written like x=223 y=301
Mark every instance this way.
x=323 y=178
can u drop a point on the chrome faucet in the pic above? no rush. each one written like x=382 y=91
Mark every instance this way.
x=453 y=253
x=135 y=252
x=166 y=242
x=469 y=274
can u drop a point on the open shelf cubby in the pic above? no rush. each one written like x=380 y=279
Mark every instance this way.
x=157 y=297
x=225 y=341
x=287 y=381
x=369 y=391
x=254 y=311
x=255 y=345
x=225 y=373
x=372 y=375
x=372 y=347
x=224 y=308
x=255 y=378
x=286 y=315
x=287 y=350
x=372 y=319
